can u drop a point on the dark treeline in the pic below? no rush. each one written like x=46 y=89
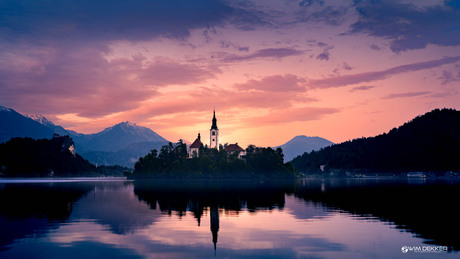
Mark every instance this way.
x=428 y=143
x=27 y=157
x=173 y=162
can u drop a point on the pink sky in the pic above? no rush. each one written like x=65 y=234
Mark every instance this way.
x=272 y=69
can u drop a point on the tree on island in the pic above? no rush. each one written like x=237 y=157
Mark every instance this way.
x=173 y=162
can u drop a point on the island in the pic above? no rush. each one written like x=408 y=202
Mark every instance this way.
x=173 y=161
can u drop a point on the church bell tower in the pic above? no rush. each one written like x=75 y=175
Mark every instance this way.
x=214 y=133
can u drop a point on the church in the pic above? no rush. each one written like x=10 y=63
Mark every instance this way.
x=214 y=142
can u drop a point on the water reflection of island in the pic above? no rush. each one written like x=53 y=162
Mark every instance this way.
x=426 y=210
x=198 y=196
x=214 y=225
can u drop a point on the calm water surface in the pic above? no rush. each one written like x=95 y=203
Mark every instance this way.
x=348 y=218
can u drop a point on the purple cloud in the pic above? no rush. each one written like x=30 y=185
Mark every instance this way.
x=362 y=88
x=449 y=76
x=229 y=44
x=276 y=83
x=104 y=20
x=276 y=53
x=340 y=81
x=344 y=66
x=333 y=15
x=324 y=55
x=311 y=2
x=409 y=26
x=82 y=81
x=405 y=95
x=375 y=47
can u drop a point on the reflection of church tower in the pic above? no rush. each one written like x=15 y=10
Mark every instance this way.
x=214 y=225
x=214 y=133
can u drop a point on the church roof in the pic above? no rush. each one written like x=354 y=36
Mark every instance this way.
x=196 y=144
x=233 y=148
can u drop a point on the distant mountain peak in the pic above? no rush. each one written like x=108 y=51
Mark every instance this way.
x=40 y=119
x=14 y=124
x=305 y=138
x=301 y=144
x=299 y=137
x=129 y=127
x=132 y=124
x=125 y=123
x=129 y=124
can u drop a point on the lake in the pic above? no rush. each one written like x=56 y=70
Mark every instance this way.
x=312 y=218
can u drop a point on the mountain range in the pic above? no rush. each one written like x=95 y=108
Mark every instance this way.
x=301 y=144
x=120 y=144
x=13 y=124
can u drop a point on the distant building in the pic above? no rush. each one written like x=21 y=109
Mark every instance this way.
x=66 y=143
x=195 y=147
x=214 y=133
x=235 y=148
x=214 y=142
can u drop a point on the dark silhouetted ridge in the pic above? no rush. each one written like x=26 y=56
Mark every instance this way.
x=428 y=143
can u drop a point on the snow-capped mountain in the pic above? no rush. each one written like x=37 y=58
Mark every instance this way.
x=13 y=124
x=40 y=119
x=120 y=136
x=47 y=123
x=120 y=144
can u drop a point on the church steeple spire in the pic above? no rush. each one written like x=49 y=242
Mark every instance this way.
x=214 y=132
x=214 y=121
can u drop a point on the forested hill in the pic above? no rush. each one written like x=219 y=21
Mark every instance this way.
x=428 y=143
x=27 y=157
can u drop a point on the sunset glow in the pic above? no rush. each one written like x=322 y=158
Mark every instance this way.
x=271 y=69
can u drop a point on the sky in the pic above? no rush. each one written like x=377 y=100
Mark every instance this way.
x=271 y=69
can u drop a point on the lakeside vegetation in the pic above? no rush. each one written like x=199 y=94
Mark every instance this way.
x=172 y=162
x=27 y=157
x=428 y=143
